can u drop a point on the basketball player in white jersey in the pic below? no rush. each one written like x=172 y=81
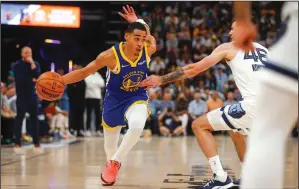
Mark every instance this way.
x=246 y=69
x=277 y=101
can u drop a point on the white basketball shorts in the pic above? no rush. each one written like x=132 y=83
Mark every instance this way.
x=234 y=117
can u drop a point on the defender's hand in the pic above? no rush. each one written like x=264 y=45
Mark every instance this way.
x=151 y=82
x=244 y=35
x=129 y=15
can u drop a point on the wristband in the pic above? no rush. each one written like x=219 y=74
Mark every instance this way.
x=142 y=22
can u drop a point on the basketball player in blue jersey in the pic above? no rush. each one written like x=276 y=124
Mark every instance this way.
x=277 y=102
x=125 y=102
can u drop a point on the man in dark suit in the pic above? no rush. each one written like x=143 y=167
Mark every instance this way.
x=26 y=71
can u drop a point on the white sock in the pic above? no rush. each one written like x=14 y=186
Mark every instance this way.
x=111 y=138
x=277 y=111
x=217 y=168
x=136 y=117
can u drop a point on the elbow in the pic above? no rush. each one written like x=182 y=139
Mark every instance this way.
x=154 y=48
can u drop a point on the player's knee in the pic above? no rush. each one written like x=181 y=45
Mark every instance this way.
x=200 y=124
x=137 y=122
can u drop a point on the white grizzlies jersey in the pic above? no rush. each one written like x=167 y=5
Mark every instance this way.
x=246 y=69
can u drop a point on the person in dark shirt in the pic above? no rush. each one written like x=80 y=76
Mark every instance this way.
x=26 y=71
x=76 y=92
x=169 y=122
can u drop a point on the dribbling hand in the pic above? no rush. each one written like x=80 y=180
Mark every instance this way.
x=129 y=15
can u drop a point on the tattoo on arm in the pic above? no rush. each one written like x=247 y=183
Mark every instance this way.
x=176 y=75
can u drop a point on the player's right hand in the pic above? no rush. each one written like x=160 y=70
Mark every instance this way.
x=151 y=82
x=244 y=35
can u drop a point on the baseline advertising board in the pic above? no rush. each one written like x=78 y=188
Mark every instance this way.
x=40 y=15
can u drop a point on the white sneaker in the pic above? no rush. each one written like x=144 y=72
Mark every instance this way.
x=88 y=133
x=19 y=150
x=38 y=150
x=82 y=132
x=69 y=134
x=99 y=133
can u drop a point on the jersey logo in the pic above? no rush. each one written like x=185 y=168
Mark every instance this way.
x=131 y=81
x=123 y=66
x=140 y=63
x=236 y=111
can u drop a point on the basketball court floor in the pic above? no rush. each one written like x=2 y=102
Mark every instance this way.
x=154 y=163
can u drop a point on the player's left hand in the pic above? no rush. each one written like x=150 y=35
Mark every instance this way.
x=129 y=15
x=151 y=82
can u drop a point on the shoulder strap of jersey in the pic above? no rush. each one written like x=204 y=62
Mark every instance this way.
x=115 y=50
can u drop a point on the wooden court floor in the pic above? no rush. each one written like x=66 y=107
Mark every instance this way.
x=154 y=163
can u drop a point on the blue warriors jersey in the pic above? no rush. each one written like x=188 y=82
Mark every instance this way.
x=122 y=86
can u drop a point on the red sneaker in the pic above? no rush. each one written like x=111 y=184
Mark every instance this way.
x=109 y=173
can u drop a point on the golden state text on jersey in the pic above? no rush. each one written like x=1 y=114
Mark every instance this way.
x=125 y=80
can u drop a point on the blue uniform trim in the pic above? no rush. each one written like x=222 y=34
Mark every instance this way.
x=281 y=70
x=222 y=108
x=225 y=119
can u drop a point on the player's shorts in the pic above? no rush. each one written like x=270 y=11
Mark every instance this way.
x=230 y=117
x=115 y=110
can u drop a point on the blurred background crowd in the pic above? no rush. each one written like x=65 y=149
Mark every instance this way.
x=185 y=32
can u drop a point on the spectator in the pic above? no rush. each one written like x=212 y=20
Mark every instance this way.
x=185 y=60
x=59 y=120
x=11 y=78
x=206 y=40
x=184 y=34
x=159 y=45
x=185 y=53
x=214 y=102
x=215 y=41
x=197 y=20
x=157 y=66
x=157 y=18
x=167 y=102
x=170 y=125
x=197 y=107
x=12 y=99
x=93 y=96
x=171 y=39
x=184 y=21
x=76 y=93
x=64 y=100
x=221 y=78
x=183 y=117
x=210 y=79
x=26 y=71
x=172 y=8
x=201 y=87
x=199 y=55
x=7 y=118
x=152 y=121
x=43 y=123
x=230 y=99
x=206 y=96
x=171 y=20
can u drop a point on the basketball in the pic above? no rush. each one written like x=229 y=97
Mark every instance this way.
x=50 y=86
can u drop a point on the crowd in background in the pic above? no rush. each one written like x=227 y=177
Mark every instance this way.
x=185 y=33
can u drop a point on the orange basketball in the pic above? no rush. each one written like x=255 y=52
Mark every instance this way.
x=50 y=86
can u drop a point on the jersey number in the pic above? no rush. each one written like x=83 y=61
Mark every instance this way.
x=257 y=55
